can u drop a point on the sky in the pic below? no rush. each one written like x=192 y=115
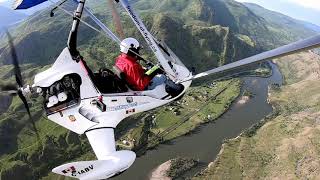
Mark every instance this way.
x=307 y=10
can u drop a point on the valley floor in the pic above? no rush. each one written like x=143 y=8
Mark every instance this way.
x=285 y=145
x=200 y=105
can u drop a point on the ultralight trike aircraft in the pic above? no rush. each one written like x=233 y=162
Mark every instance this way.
x=73 y=100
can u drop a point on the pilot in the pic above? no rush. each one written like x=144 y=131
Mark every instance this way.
x=135 y=74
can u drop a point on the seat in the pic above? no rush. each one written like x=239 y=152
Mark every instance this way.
x=108 y=82
x=122 y=77
x=119 y=73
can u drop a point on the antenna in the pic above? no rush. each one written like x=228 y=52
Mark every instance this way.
x=56 y=7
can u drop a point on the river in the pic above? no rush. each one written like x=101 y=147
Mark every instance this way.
x=206 y=142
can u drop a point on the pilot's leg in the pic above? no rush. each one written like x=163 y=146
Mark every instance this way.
x=156 y=81
x=172 y=88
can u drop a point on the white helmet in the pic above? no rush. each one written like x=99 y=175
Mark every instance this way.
x=129 y=43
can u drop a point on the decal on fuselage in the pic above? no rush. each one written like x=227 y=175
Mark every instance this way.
x=130 y=111
x=120 y=107
x=74 y=171
x=71 y=169
x=72 y=118
x=129 y=99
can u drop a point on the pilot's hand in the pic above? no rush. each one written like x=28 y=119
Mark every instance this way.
x=149 y=65
x=154 y=71
x=26 y=91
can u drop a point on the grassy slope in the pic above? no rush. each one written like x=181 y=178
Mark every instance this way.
x=287 y=146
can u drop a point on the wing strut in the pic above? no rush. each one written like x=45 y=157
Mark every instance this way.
x=292 y=48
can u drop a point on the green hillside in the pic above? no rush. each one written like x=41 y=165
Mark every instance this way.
x=204 y=33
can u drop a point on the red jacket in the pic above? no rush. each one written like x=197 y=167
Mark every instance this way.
x=134 y=73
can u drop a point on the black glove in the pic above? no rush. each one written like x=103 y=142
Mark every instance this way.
x=149 y=65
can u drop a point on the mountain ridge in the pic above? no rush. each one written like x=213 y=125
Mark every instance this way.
x=240 y=19
x=279 y=19
x=10 y=17
x=8 y=20
x=203 y=33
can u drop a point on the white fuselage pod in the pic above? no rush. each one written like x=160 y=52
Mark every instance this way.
x=98 y=123
x=63 y=66
x=86 y=115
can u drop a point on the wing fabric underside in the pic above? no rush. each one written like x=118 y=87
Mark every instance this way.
x=25 y=4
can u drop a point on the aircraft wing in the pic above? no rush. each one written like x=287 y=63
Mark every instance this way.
x=292 y=48
x=25 y=4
